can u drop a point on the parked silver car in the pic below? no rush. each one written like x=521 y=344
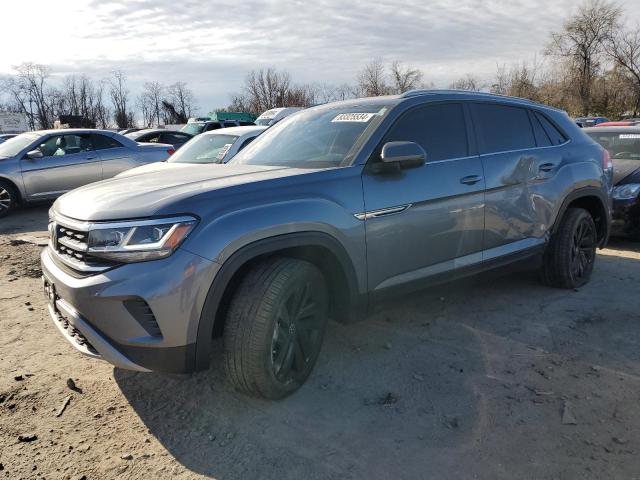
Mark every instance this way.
x=45 y=164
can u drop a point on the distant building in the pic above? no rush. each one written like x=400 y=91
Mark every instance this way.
x=13 y=122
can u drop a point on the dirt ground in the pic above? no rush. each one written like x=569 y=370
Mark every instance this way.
x=496 y=378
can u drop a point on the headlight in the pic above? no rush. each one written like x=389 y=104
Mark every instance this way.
x=625 y=192
x=137 y=241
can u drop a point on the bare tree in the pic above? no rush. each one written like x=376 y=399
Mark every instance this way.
x=468 y=82
x=29 y=91
x=624 y=48
x=120 y=99
x=582 y=41
x=150 y=103
x=269 y=88
x=372 y=80
x=404 y=78
x=182 y=99
x=80 y=95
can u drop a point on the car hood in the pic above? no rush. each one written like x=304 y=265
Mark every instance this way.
x=626 y=171
x=155 y=167
x=150 y=191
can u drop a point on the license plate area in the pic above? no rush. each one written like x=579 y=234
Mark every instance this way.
x=50 y=292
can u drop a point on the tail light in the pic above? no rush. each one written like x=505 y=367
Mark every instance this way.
x=171 y=151
x=607 y=164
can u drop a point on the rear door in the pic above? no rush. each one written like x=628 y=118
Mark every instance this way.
x=426 y=221
x=518 y=160
x=69 y=161
x=114 y=156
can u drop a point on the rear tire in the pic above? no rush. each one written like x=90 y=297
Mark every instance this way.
x=8 y=198
x=275 y=326
x=571 y=254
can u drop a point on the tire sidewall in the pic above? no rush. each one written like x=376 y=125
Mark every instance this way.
x=306 y=272
x=14 y=198
x=568 y=233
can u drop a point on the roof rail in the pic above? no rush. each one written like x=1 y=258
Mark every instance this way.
x=418 y=92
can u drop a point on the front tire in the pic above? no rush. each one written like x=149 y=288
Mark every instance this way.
x=571 y=254
x=8 y=198
x=275 y=326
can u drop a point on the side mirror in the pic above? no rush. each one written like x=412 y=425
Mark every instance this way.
x=33 y=154
x=403 y=154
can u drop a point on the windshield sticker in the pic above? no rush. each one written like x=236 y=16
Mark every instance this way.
x=629 y=135
x=223 y=151
x=353 y=117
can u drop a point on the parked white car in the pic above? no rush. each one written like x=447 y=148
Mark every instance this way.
x=216 y=146
x=273 y=116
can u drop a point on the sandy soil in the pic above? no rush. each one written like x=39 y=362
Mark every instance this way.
x=496 y=378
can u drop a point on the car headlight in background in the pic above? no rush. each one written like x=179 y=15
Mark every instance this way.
x=625 y=192
x=138 y=241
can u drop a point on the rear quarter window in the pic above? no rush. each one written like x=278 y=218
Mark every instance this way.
x=103 y=142
x=555 y=135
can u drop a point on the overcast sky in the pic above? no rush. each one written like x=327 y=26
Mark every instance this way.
x=212 y=45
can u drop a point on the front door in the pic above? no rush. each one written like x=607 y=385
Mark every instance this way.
x=68 y=162
x=426 y=221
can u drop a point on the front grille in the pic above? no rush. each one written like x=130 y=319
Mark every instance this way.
x=141 y=311
x=70 y=247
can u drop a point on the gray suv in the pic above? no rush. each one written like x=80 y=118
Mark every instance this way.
x=326 y=213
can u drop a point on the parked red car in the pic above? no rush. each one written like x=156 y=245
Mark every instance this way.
x=622 y=123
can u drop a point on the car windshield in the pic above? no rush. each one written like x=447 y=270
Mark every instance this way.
x=193 y=128
x=263 y=122
x=14 y=145
x=207 y=148
x=322 y=137
x=619 y=144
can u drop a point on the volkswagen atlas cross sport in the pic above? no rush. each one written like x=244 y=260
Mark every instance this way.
x=325 y=213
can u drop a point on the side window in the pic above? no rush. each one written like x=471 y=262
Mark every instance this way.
x=542 y=139
x=556 y=136
x=503 y=128
x=102 y=142
x=151 y=139
x=59 y=145
x=211 y=126
x=440 y=129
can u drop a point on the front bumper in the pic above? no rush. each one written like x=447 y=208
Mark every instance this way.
x=94 y=313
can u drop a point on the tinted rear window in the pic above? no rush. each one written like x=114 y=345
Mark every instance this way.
x=503 y=128
x=439 y=129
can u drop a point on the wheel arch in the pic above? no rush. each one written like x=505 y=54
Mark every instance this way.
x=596 y=203
x=15 y=186
x=318 y=248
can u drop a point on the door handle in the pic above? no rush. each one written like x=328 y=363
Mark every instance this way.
x=546 y=167
x=470 y=179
